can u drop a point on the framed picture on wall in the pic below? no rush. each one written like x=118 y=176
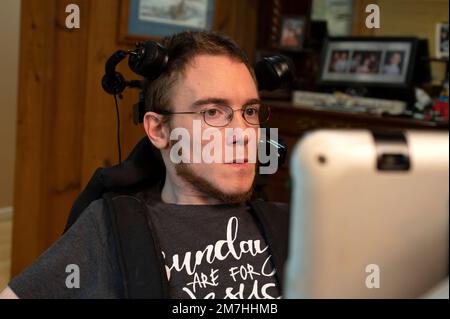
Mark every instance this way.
x=292 y=32
x=442 y=40
x=153 y=19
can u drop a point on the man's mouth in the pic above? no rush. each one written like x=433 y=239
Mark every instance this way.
x=238 y=161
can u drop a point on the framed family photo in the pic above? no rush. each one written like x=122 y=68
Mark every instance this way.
x=142 y=20
x=368 y=61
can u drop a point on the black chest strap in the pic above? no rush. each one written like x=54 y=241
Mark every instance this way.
x=139 y=256
x=274 y=225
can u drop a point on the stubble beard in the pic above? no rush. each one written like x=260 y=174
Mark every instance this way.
x=205 y=187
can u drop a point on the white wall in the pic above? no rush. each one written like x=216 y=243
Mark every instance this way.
x=9 y=66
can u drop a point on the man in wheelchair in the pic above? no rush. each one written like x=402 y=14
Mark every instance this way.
x=179 y=223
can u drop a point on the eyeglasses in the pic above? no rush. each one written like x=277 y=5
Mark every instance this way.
x=222 y=115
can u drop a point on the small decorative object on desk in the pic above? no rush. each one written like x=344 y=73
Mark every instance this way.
x=442 y=40
x=339 y=101
x=441 y=104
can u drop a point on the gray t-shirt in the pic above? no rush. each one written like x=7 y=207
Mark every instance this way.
x=212 y=251
x=88 y=246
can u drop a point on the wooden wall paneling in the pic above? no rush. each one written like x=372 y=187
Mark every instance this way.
x=238 y=20
x=50 y=108
x=34 y=73
x=99 y=147
x=244 y=27
x=67 y=110
x=359 y=18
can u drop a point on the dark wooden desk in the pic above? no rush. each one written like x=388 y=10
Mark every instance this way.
x=293 y=121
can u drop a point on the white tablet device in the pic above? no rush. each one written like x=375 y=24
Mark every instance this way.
x=369 y=214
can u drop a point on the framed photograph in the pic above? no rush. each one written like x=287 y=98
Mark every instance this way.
x=142 y=20
x=368 y=61
x=292 y=33
x=442 y=40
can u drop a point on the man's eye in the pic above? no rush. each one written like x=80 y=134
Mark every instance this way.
x=251 y=111
x=214 y=112
x=211 y=112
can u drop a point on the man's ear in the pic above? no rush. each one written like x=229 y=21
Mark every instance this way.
x=157 y=132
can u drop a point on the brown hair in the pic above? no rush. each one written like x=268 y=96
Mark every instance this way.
x=182 y=48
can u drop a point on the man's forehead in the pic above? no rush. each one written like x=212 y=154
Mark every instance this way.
x=216 y=67
x=200 y=60
x=216 y=76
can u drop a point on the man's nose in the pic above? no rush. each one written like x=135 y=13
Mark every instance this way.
x=238 y=120
x=240 y=125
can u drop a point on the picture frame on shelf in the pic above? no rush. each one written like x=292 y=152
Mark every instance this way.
x=292 y=33
x=441 y=40
x=383 y=61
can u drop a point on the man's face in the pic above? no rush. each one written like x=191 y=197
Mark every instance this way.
x=223 y=79
x=395 y=59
